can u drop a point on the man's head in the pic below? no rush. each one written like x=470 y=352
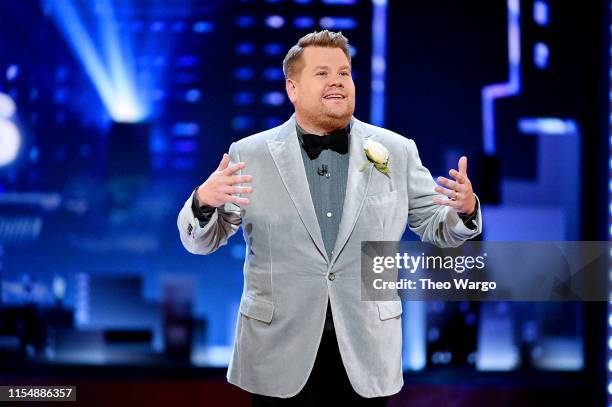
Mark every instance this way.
x=318 y=81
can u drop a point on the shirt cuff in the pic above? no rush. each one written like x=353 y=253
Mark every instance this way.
x=467 y=219
x=202 y=213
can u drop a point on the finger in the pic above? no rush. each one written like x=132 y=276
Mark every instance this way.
x=445 y=202
x=224 y=162
x=238 y=190
x=447 y=183
x=233 y=168
x=462 y=179
x=237 y=200
x=463 y=165
x=448 y=192
x=239 y=179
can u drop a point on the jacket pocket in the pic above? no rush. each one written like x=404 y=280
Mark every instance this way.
x=380 y=199
x=389 y=309
x=257 y=308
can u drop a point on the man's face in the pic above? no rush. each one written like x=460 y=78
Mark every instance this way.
x=323 y=92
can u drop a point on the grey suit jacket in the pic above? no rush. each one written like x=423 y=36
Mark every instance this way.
x=287 y=270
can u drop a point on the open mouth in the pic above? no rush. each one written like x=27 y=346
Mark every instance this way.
x=334 y=96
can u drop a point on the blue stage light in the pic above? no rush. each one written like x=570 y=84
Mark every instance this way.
x=186 y=129
x=34 y=154
x=244 y=73
x=273 y=49
x=273 y=74
x=10 y=142
x=274 y=98
x=338 y=23
x=275 y=21
x=7 y=106
x=540 y=55
x=193 y=95
x=203 y=27
x=11 y=72
x=157 y=26
x=540 y=12
x=107 y=58
x=10 y=139
x=303 y=22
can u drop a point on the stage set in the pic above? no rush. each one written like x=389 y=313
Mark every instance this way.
x=113 y=111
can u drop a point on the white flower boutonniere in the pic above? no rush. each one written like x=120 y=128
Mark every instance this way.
x=377 y=154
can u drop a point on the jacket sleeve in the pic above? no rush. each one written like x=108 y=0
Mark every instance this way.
x=437 y=224
x=205 y=238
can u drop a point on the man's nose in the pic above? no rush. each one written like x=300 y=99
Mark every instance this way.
x=336 y=81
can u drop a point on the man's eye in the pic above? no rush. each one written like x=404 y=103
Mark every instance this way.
x=321 y=73
x=345 y=74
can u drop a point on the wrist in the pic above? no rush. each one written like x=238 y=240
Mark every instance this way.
x=471 y=212
x=200 y=200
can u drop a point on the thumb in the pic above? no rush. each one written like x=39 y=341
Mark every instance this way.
x=224 y=162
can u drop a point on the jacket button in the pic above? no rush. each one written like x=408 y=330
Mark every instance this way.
x=332 y=276
x=189 y=229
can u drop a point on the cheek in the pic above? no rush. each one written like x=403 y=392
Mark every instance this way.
x=314 y=95
x=351 y=88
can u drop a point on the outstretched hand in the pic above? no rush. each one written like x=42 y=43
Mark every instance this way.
x=220 y=187
x=459 y=192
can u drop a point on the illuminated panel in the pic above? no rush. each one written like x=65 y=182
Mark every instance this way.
x=379 y=62
x=503 y=90
x=551 y=126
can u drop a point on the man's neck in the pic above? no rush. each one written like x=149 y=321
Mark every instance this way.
x=314 y=129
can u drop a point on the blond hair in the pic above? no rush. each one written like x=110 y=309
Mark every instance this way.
x=325 y=39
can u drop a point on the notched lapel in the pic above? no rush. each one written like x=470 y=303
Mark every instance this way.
x=356 y=186
x=285 y=151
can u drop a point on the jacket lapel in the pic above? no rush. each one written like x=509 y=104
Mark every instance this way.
x=356 y=186
x=285 y=151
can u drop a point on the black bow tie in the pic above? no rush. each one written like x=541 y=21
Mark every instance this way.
x=336 y=141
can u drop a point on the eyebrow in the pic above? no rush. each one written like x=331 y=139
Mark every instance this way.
x=327 y=67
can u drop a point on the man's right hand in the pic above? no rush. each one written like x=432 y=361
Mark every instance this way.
x=220 y=187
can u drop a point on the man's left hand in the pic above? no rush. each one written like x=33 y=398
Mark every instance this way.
x=459 y=192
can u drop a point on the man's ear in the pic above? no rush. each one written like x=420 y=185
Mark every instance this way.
x=291 y=90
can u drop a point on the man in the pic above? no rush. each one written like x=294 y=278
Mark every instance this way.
x=303 y=334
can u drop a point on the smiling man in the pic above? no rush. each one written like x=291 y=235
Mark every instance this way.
x=307 y=193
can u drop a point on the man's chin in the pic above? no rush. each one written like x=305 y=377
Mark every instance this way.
x=343 y=116
x=330 y=120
